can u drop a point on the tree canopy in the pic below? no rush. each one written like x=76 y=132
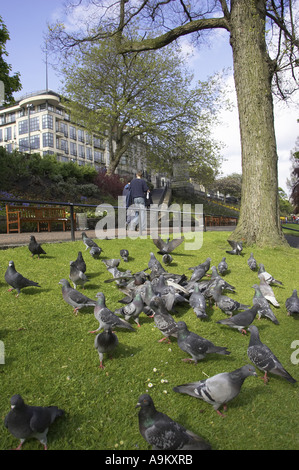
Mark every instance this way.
x=11 y=83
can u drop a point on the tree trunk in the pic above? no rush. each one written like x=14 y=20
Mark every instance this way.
x=259 y=221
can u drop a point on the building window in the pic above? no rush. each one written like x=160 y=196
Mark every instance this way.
x=62 y=127
x=48 y=139
x=62 y=144
x=73 y=149
x=81 y=151
x=11 y=117
x=1 y=138
x=73 y=133
x=88 y=153
x=88 y=138
x=8 y=133
x=47 y=121
x=34 y=142
x=23 y=127
x=80 y=135
x=98 y=156
x=34 y=124
x=9 y=148
x=2 y=119
x=24 y=144
x=97 y=142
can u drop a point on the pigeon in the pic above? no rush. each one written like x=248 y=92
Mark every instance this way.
x=105 y=342
x=198 y=302
x=35 y=247
x=75 y=298
x=124 y=255
x=252 y=262
x=241 y=320
x=166 y=247
x=162 y=432
x=205 y=265
x=163 y=319
x=80 y=263
x=16 y=280
x=262 y=273
x=226 y=304
x=167 y=259
x=219 y=389
x=195 y=345
x=263 y=358
x=222 y=266
x=155 y=266
x=111 y=263
x=268 y=293
x=198 y=273
x=133 y=309
x=292 y=303
x=237 y=247
x=264 y=309
x=26 y=422
x=95 y=252
x=88 y=242
x=107 y=318
x=77 y=277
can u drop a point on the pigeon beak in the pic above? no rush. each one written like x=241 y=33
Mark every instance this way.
x=13 y=406
x=138 y=405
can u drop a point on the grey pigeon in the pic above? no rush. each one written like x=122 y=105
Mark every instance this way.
x=167 y=246
x=76 y=299
x=292 y=303
x=252 y=262
x=88 y=242
x=163 y=319
x=198 y=273
x=133 y=309
x=80 y=263
x=264 y=309
x=225 y=303
x=219 y=389
x=262 y=273
x=222 y=266
x=263 y=358
x=77 y=277
x=237 y=247
x=35 y=248
x=16 y=280
x=241 y=320
x=195 y=345
x=95 y=252
x=111 y=263
x=26 y=422
x=198 y=302
x=124 y=254
x=107 y=318
x=105 y=342
x=167 y=259
x=155 y=266
x=268 y=293
x=162 y=432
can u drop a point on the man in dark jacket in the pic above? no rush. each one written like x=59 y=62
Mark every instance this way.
x=138 y=190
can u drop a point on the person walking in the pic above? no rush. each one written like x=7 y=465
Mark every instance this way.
x=138 y=191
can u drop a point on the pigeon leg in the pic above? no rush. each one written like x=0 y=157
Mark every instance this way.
x=101 y=366
x=221 y=414
x=164 y=339
x=244 y=332
x=265 y=378
x=20 y=445
x=187 y=359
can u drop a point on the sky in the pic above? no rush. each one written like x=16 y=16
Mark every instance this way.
x=27 y=21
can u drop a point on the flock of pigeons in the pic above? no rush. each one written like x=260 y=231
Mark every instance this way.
x=156 y=292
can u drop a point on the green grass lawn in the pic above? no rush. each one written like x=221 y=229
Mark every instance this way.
x=50 y=357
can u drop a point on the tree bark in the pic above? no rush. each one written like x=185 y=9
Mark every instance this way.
x=259 y=220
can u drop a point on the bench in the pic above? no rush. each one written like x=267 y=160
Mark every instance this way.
x=42 y=216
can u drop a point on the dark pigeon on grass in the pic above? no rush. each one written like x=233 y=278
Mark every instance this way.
x=35 y=248
x=95 y=252
x=162 y=432
x=111 y=263
x=16 y=280
x=163 y=319
x=222 y=266
x=264 y=309
x=105 y=342
x=132 y=310
x=88 y=242
x=237 y=247
x=264 y=359
x=196 y=346
x=225 y=303
x=219 y=389
x=167 y=259
x=241 y=320
x=252 y=262
x=292 y=304
x=124 y=255
x=262 y=273
x=80 y=263
x=198 y=302
x=26 y=422
x=73 y=297
x=168 y=246
x=107 y=318
x=77 y=277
